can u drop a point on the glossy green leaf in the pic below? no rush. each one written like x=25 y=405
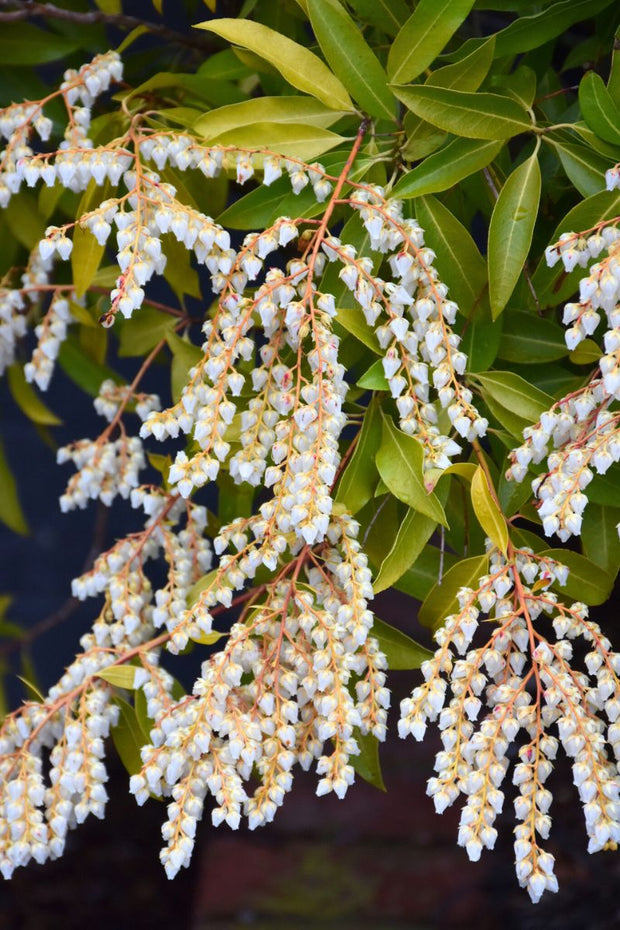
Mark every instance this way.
x=530 y=339
x=511 y=231
x=599 y=536
x=519 y=84
x=185 y=355
x=182 y=278
x=475 y=116
x=514 y=393
x=357 y=484
x=142 y=333
x=25 y=220
x=387 y=15
x=374 y=379
x=605 y=489
x=399 y=460
x=467 y=73
x=425 y=34
x=420 y=578
x=529 y=32
x=297 y=140
x=351 y=58
x=487 y=512
x=442 y=599
x=480 y=340
x=129 y=737
x=28 y=400
x=458 y=261
x=588 y=352
x=402 y=652
x=414 y=533
x=366 y=764
x=11 y=513
x=442 y=170
x=584 y=168
x=301 y=68
x=24 y=44
x=83 y=371
x=599 y=109
x=352 y=319
x=587 y=582
x=306 y=110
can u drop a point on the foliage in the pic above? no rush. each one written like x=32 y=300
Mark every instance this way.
x=363 y=356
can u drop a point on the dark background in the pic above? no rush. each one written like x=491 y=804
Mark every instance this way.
x=377 y=860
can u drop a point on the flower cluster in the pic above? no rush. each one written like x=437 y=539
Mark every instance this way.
x=583 y=426
x=14 y=303
x=529 y=685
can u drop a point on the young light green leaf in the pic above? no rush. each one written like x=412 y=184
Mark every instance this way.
x=599 y=109
x=351 y=58
x=401 y=652
x=306 y=110
x=358 y=481
x=301 y=68
x=587 y=352
x=28 y=400
x=475 y=116
x=87 y=253
x=122 y=676
x=442 y=599
x=414 y=533
x=511 y=230
x=297 y=140
x=11 y=512
x=399 y=460
x=374 y=379
x=425 y=34
x=487 y=512
x=459 y=262
x=440 y=171
x=207 y=639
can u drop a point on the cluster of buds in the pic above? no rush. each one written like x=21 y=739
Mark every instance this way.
x=529 y=684
x=583 y=426
x=51 y=332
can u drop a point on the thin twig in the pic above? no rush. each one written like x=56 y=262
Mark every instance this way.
x=29 y=8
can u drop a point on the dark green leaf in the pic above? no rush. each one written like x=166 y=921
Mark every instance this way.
x=401 y=652
x=475 y=116
x=359 y=478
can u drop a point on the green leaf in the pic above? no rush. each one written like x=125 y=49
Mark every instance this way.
x=353 y=320
x=480 y=340
x=306 y=110
x=83 y=371
x=366 y=763
x=419 y=579
x=459 y=262
x=201 y=585
x=28 y=400
x=121 y=676
x=605 y=489
x=586 y=581
x=457 y=160
x=357 y=484
x=87 y=253
x=599 y=108
x=399 y=460
x=23 y=44
x=468 y=73
x=185 y=355
x=374 y=379
x=11 y=512
x=599 y=536
x=475 y=116
x=182 y=278
x=402 y=652
x=351 y=58
x=511 y=230
x=142 y=333
x=129 y=737
x=424 y=35
x=297 y=140
x=519 y=84
x=414 y=533
x=515 y=394
x=587 y=352
x=301 y=68
x=442 y=599
x=530 y=339
x=584 y=168
x=25 y=221
x=488 y=514
x=529 y=32
x=387 y=15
